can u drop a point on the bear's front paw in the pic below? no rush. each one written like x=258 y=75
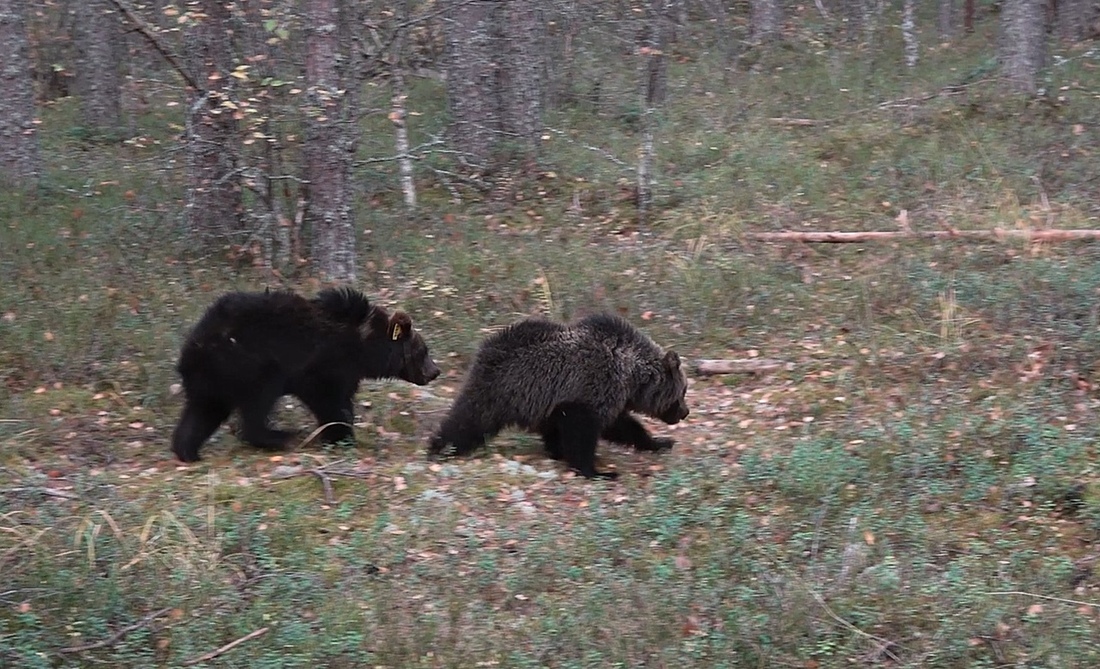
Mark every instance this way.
x=663 y=444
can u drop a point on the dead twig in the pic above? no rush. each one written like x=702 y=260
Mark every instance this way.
x=1035 y=595
x=784 y=120
x=48 y=492
x=326 y=485
x=117 y=636
x=227 y=647
x=324 y=473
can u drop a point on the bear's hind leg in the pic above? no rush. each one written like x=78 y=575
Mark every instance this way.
x=628 y=430
x=551 y=439
x=331 y=408
x=197 y=422
x=254 y=413
x=578 y=428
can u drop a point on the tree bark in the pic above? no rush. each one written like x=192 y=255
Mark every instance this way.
x=472 y=79
x=99 y=42
x=496 y=78
x=1077 y=20
x=1022 y=44
x=330 y=143
x=765 y=20
x=522 y=72
x=19 y=158
x=945 y=19
x=213 y=202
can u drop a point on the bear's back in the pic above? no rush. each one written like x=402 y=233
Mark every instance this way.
x=523 y=371
x=239 y=313
x=278 y=327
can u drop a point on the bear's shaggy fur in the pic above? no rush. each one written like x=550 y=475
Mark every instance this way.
x=249 y=349
x=570 y=383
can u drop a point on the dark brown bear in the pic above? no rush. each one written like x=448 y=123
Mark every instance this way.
x=570 y=383
x=249 y=349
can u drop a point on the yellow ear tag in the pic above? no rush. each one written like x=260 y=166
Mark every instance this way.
x=396 y=332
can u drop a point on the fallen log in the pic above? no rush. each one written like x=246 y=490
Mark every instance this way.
x=746 y=366
x=996 y=234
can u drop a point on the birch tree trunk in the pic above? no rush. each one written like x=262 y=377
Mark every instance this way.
x=653 y=39
x=399 y=117
x=19 y=159
x=330 y=143
x=399 y=113
x=909 y=33
x=212 y=204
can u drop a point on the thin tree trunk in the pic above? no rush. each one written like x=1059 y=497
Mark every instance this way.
x=1022 y=44
x=968 y=16
x=399 y=116
x=909 y=33
x=19 y=159
x=330 y=144
x=652 y=43
x=213 y=202
x=99 y=40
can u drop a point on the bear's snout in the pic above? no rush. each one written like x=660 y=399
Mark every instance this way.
x=675 y=413
x=428 y=372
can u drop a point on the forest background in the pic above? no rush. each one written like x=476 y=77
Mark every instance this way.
x=900 y=471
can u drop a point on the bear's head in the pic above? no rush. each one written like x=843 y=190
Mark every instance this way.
x=408 y=355
x=664 y=393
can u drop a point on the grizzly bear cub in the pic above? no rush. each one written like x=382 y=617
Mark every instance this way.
x=249 y=349
x=570 y=383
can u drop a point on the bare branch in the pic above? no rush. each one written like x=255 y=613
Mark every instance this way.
x=117 y=636
x=603 y=152
x=226 y=648
x=150 y=34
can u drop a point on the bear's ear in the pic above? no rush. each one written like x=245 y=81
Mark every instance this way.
x=400 y=325
x=672 y=359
